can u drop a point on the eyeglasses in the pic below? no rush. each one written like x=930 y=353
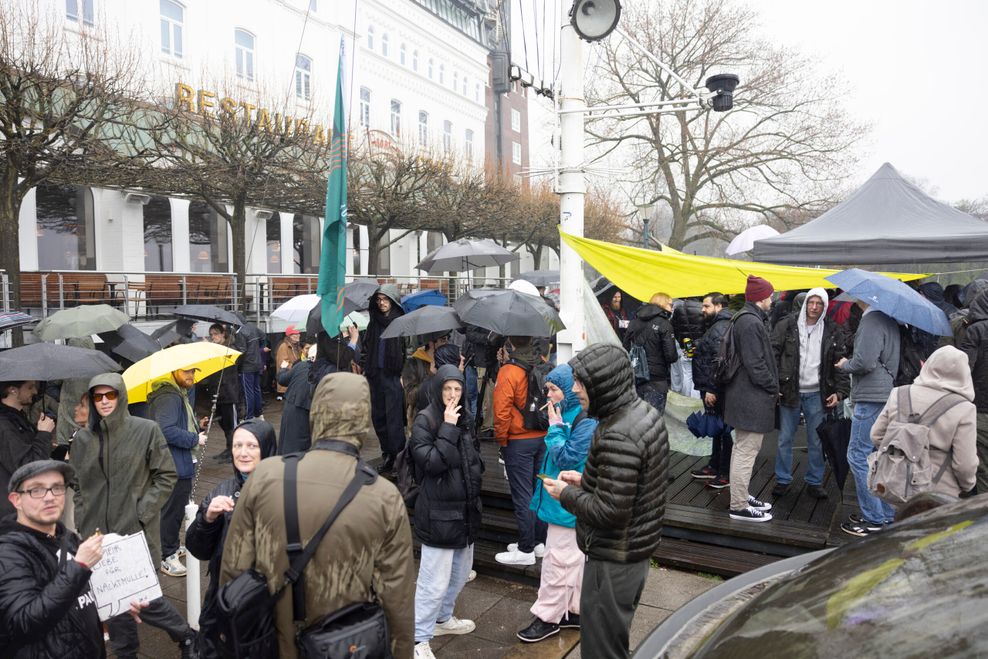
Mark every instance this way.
x=40 y=492
x=109 y=395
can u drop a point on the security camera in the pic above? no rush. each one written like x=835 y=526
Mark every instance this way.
x=722 y=86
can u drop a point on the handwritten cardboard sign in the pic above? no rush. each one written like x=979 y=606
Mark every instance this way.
x=125 y=573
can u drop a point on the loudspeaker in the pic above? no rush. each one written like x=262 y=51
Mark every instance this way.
x=594 y=19
x=722 y=87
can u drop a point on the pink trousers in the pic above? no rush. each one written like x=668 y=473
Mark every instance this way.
x=562 y=576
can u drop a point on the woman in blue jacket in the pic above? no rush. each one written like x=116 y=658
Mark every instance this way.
x=567 y=444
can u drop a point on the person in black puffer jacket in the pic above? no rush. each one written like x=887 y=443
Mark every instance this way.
x=253 y=441
x=620 y=499
x=448 y=470
x=652 y=330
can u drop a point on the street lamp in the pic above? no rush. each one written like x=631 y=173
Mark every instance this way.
x=645 y=213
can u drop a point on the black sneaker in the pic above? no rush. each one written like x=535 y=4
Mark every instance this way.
x=860 y=529
x=571 y=621
x=780 y=489
x=855 y=518
x=388 y=465
x=538 y=631
x=189 y=646
x=816 y=491
x=758 y=505
x=750 y=514
x=718 y=483
x=705 y=474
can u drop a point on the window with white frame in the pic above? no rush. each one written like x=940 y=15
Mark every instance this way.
x=423 y=128
x=431 y=64
x=303 y=77
x=516 y=153
x=442 y=73
x=468 y=144
x=402 y=52
x=515 y=120
x=476 y=92
x=456 y=80
x=395 y=117
x=447 y=136
x=244 y=42
x=415 y=61
x=465 y=86
x=370 y=37
x=80 y=11
x=172 y=21
x=313 y=6
x=365 y=101
x=385 y=45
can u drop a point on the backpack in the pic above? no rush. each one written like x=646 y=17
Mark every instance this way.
x=901 y=467
x=727 y=363
x=639 y=361
x=534 y=415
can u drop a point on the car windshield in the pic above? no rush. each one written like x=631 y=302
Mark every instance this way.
x=916 y=590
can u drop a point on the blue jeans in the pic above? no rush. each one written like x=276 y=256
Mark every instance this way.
x=873 y=509
x=522 y=460
x=812 y=406
x=470 y=374
x=442 y=574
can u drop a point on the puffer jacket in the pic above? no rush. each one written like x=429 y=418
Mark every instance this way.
x=786 y=347
x=170 y=408
x=954 y=433
x=567 y=445
x=620 y=505
x=652 y=330
x=20 y=443
x=46 y=608
x=392 y=360
x=751 y=397
x=687 y=320
x=974 y=344
x=448 y=470
x=370 y=543
x=204 y=539
x=707 y=349
x=124 y=470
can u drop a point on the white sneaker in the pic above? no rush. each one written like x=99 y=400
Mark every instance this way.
x=172 y=566
x=423 y=651
x=539 y=549
x=515 y=557
x=454 y=626
x=472 y=575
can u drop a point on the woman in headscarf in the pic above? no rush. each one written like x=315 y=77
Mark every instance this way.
x=448 y=469
x=253 y=441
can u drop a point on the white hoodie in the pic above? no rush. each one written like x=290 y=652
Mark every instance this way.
x=811 y=344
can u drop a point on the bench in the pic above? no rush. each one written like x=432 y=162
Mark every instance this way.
x=68 y=289
x=163 y=290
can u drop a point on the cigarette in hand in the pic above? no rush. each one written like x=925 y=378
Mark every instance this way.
x=546 y=406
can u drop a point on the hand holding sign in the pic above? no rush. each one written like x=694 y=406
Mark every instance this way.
x=125 y=574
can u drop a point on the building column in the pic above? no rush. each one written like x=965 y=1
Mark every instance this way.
x=28 y=232
x=180 y=235
x=287 y=248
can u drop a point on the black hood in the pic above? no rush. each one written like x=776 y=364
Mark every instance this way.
x=446 y=373
x=979 y=307
x=649 y=311
x=605 y=371
x=264 y=432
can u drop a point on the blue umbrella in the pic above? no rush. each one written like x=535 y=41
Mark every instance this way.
x=893 y=298
x=423 y=298
x=702 y=424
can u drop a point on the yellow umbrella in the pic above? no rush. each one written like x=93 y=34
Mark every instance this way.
x=207 y=357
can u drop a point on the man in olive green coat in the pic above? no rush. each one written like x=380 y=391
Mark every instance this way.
x=370 y=544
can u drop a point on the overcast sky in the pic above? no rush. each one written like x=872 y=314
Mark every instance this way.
x=915 y=70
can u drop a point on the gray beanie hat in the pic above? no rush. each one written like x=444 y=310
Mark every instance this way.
x=39 y=467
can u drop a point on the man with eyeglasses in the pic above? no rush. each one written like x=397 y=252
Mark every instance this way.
x=46 y=608
x=125 y=474
x=20 y=442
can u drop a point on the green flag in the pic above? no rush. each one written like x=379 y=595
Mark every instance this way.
x=332 y=262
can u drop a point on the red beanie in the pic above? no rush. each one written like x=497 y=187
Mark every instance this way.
x=757 y=289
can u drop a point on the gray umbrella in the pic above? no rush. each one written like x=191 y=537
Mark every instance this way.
x=513 y=313
x=540 y=277
x=9 y=319
x=50 y=361
x=471 y=297
x=130 y=343
x=80 y=321
x=466 y=254
x=208 y=313
x=426 y=320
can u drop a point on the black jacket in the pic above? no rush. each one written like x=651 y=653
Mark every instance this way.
x=372 y=344
x=620 y=504
x=687 y=320
x=785 y=345
x=652 y=330
x=228 y=388
x=707 y=349
x=975 y=346
x=20 y=443
x=448 y=471
x=46 y=609
x=752 y=395
x=482 y=345
x=248 y=340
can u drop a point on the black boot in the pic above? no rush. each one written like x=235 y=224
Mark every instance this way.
x=388 y=465
x=189 y=646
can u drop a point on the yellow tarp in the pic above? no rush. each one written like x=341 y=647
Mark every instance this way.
x=643 y=272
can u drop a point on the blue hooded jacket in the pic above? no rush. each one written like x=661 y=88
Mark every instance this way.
x=566 y=448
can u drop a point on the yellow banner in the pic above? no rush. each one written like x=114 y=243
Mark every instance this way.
x=644 y=272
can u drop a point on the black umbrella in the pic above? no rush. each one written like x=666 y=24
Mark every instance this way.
x=540 y=277
x=50 y=361
x=835 y=435
x=208 y=313
x=464 y=254
x=313 y=324
x=130 y=343
x=425 y=320
x=171 y=332
x=9 y=319
x=512 y=313
x=471 y=297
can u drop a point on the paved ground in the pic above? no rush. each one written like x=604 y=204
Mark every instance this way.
x=500 y=608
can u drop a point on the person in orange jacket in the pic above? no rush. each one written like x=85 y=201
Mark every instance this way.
x=523 y=451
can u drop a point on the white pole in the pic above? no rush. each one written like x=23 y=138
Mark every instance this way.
x=572 y=188
x=193 y=598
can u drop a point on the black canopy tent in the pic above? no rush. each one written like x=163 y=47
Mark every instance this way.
x=887 y=220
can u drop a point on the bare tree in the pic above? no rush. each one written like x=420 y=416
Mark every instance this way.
x=786 y=144
x=64 y=95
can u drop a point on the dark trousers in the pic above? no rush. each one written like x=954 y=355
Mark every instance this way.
x=124 y=640
x=522 y=460
x=720 y=457
x=172 y=515
x=228 y=418
x=388 y=411
x=654 y=393
x=251 y=383
x=608 y=600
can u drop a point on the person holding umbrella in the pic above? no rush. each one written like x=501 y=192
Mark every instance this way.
x=382 y=361
x=20 y=443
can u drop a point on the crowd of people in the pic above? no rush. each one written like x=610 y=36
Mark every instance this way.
x=583 y=446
